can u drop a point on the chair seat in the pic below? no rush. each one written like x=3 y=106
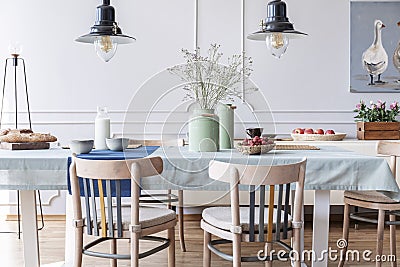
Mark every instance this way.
x=152 y=216
x=148 y=217
x=221 y=217
x=369 y=196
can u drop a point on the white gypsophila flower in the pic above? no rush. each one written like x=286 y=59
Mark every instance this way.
x=207 y=81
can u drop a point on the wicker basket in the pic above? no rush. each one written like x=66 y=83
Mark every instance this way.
x=318 y=137
x=255 y=150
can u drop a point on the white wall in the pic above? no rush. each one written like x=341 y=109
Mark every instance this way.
x=309 y=86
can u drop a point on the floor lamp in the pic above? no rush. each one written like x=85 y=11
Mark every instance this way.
x=15 y=51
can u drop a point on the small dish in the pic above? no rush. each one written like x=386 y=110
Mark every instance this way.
x=117 y=144
x=255 y=150
x=81 y=146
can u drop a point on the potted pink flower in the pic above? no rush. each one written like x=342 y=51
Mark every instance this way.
x=376 y=121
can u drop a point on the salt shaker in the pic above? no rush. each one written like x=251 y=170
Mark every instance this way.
x=101 y=128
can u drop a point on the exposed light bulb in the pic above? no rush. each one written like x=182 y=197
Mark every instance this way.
x=15 y=49
x=105 y=47
x=277 y=43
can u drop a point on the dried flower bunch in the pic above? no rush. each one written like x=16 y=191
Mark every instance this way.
x=207 y=80
x=376 y=112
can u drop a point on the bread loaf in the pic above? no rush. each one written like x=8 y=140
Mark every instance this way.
x=24 y=136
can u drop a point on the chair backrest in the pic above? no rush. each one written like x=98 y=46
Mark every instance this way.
x=392 y=149
x=101 y=182
x=258 y=177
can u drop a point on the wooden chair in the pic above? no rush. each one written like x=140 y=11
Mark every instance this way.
x=375 y=201
x=101 y=186
x=259 y=223
x=168 y=198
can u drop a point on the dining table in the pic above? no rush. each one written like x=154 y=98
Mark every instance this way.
x=329 y=168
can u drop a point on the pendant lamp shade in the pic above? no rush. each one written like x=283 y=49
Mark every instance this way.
x=276 y=29
x=105 y=34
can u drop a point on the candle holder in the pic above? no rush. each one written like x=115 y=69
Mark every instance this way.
x=16 y=61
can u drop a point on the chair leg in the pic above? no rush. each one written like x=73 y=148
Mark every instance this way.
x=237 y=250
x=171 y=248
x=296 y=247
x=392 y=218
x=181 y=222
x=169 y=205
x=346 y=222
x=267 y=251
x=206 y=251
x=78 y=246
x=113 y=250
x=356 y=209
x=380 y=231
x=134 y=250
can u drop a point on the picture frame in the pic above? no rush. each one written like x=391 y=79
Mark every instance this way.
x=370 y=70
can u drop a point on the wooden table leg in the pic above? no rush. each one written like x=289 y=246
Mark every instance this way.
x=69 y=233
x=321 y=227
x=29 y=228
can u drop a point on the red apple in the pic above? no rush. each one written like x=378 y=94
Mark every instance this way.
x=319 y=131
x=298 y=131
x=308 y=131
x=329 y=132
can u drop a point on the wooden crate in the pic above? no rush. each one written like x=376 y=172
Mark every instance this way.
x=378 y=130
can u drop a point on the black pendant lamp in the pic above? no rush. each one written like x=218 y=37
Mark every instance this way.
x=105 y=34
x=276 y=30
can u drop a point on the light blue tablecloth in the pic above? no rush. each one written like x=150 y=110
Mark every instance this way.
x=34 y=169
x=330 y=168
x=46 y=169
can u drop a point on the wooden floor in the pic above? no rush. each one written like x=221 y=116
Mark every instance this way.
x=52 y=246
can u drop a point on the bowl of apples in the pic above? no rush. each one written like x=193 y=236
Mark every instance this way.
x=309 y=134
x=256 y=146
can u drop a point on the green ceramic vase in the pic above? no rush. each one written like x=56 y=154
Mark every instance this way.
x=204 y=131
x=226 y=125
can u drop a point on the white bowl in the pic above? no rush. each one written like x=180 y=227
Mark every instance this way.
x=117 y=144
x=81 y=146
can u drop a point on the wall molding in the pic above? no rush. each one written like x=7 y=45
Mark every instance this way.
x=282 y=111
x=178 y=122
x=50 y=199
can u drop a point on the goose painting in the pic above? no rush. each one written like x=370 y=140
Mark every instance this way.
x=396 y=56
x=375 y=43
x=375 y=58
